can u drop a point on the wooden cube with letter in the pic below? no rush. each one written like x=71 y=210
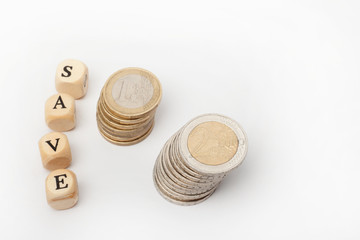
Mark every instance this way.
x=72 y=78
x=61 y=189
x=55 y=151
x=60 y=112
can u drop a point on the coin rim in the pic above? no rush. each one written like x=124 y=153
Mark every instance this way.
x=168 y=197
x=126 y=143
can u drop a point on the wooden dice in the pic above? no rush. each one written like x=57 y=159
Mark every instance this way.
x=72 y=78
x=61 y=189
x=55 y=151
x=71 y=82
x=60 y=112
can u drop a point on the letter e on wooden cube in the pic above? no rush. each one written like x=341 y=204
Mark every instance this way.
x=60 y=112
x=61 y=189
x=72 y=78
x=55 y=151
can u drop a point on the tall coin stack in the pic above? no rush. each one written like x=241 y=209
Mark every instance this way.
x=127 y=106
x=195 y=159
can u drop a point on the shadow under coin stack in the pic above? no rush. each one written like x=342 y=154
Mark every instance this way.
x=127 y=106
x=194 y=160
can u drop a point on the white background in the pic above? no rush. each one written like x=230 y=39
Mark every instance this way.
x=287 y=71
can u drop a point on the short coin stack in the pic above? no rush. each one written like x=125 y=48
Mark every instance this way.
x=127 y=106
x=196 y=158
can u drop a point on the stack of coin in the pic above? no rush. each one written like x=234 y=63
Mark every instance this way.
x=195 y=159
x=127 y=106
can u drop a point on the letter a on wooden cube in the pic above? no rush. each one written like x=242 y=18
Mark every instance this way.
x=55 y=151
x=72 y=78
x=60 y=112
x=61 y=189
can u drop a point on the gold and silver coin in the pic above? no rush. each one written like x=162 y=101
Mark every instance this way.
x=195 y=159
x=127 y=105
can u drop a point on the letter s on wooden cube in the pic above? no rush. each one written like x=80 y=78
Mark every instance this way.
x=72 y=78
x=60 y=112
x=55 y=151
x=61 y=189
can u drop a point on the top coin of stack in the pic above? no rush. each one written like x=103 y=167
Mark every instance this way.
x=196 y=158
x=127 y=106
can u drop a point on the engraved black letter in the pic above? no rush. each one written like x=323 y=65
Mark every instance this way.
x=67 y=71
x=85 y=80
x=60 y=181
x=59 y=102
x=52 y=146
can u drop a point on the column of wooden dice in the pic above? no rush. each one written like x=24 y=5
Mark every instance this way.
x=61 y=184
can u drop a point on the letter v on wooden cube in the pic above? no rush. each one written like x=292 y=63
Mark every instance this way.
x=55 y=151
